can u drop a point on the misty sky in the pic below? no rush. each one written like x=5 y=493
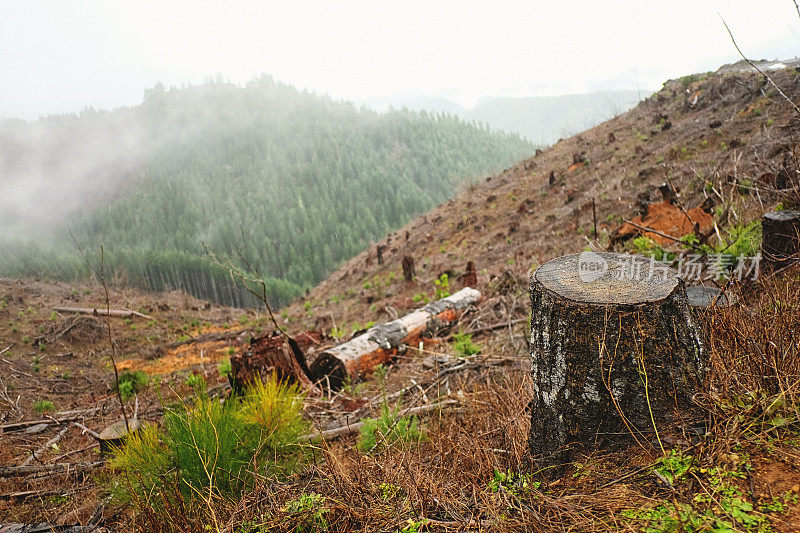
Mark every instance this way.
x=62 y=56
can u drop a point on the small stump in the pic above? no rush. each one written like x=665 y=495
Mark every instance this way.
x=615 y=351
x=701 y=297
x=781 y=238
x=115 y=435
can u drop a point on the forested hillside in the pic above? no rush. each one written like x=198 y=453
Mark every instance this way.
x=297 y=181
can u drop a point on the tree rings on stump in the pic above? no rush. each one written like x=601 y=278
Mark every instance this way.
x=615 y=351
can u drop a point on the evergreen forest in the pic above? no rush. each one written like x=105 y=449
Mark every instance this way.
x=286 y=183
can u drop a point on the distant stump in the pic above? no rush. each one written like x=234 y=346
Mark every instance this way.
x=615 y=350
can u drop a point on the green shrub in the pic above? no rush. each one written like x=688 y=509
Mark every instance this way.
x=197 y=382
x=212 y=449
x=276 y=410
x=421 y=297
x=442 y=287
x=462 y=343
x=144 y=461
x=388 y=429
x=131 y=383
x=648 y=247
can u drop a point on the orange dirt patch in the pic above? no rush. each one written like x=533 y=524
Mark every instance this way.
x=669 y=219
x=184 y=356
x=181 y=358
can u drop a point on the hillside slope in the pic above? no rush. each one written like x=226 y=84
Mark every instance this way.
x=709 y=135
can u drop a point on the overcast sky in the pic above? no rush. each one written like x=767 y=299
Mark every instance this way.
x=62 y=56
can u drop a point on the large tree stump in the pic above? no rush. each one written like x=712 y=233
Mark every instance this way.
x=781 y=242
x=274 y=353
x=615 y=351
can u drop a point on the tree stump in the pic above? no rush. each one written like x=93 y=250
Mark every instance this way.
x=470 y=276
x=781 y=242
x=274 y=353
x=615 y=351
x=409 y=272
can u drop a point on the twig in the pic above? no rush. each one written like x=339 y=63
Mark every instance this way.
x=47 y=445
x=73 y=452
x=651 y=230
x=797 y=109
x=64 y=416
x=349 y=429
x=640 y=470
x=7 y=348
x=101 y=274
x=86 y=430
x=39 y=493
x=494 y=326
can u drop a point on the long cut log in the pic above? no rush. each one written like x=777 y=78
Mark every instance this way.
x=615 y=350
x=378 y=344
x=99 y=311
x=55 y=468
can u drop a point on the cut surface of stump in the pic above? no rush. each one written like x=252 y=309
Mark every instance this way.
x=615 y=352
x=115 y=435
x=781 y=237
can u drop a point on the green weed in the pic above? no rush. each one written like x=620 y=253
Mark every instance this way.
x=131 y=383
x=308 y=512
x=462 y=343
x=442 y=287
x=388 y=429
x=44 y=406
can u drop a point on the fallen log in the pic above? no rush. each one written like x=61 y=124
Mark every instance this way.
x=615 y=352
x=58 y=418
x=362 y=354
x=96 y=311
x=55 y=468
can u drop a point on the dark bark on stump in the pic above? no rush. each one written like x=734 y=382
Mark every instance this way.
x=781 y=243
x=409 y=272
x=274 y=354
x=614 y=351
x=470 y=277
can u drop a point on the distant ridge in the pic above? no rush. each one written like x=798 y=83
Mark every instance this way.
x=540 y=119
